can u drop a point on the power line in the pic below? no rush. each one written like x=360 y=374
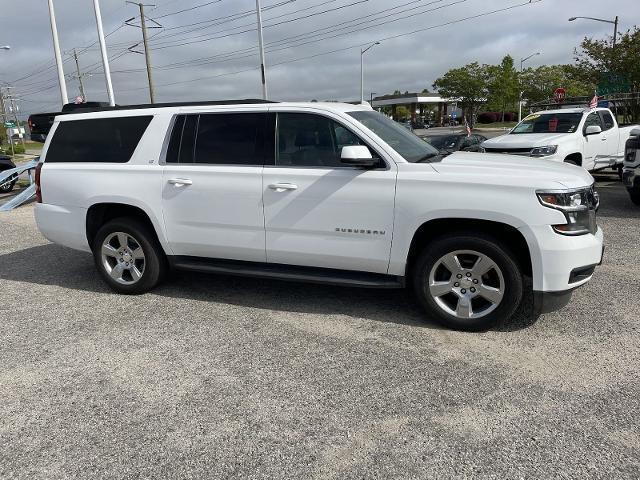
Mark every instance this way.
x=189 y=9
x=391 y=37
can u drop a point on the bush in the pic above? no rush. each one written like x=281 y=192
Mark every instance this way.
x=17 y=148
x=488 y=117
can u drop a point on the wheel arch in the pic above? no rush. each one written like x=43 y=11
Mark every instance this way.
x=100 y=213
x=574 y=157
x=435 y=228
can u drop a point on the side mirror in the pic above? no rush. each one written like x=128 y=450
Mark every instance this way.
x=635 y=132
x=357 y=156
x=592 y=130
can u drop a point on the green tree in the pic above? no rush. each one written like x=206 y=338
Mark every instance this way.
x=597 y=56
x=538 y=84
x=468 y=85
x=502 y=85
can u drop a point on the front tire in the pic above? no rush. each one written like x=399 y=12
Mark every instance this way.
x=635 y=196
x=468 y=281
x=7 y=187
x=128 y=256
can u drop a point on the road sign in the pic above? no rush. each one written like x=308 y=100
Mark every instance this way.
x=10 y=125
x=559 y=94
x=613 y=83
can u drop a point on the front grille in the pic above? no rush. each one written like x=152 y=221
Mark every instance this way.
x=512 y=151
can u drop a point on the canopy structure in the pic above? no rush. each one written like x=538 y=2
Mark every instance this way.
x=416 y=103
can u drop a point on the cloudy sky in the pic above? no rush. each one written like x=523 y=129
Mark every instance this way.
x=207 y=50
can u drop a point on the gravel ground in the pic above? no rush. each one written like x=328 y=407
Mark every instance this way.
x=214 y=377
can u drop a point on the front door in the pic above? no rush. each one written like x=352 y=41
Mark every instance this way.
x=212 y=186
x=319 y=212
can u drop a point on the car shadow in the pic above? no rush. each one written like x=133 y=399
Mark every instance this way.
x=54 y=265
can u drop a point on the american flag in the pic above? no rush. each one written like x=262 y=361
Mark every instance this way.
x=467 y=127
x=594 y=101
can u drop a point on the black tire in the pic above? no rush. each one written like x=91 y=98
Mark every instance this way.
x=486 y=245
x=635 y=196
x=8 y=187
x=620 y=171
x=155 y=262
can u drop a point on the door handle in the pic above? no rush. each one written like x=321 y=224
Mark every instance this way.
x=281 y=187
x=604 y=139
x=180 y=182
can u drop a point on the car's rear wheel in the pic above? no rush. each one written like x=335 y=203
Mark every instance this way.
x=7 y=187
x=128 y=256
x=635 y=196
x=468 y=282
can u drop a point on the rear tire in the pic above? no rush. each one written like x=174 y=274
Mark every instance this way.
x=635 y=196
x=128 y=256
x=8 y=187
x=451 y=283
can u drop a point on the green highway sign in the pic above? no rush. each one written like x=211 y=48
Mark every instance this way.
x=613 y=83
x=9 y=125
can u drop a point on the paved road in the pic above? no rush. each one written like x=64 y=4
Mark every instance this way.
x=215 y=377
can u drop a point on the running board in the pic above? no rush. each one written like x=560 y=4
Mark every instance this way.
x=292 y=273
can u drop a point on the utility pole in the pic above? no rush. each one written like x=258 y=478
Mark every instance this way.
x=103 y=51
x=147 y=56
x=13 y=108
x=56 y=50
x=4 y=119
x=261 y=45
x=75 y=57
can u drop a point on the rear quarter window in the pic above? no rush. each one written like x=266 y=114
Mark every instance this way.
x=100 y=140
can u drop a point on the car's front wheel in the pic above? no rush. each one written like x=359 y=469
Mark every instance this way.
x=128 y=256
x=468 y=282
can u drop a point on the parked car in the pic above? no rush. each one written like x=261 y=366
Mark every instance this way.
x=7 y=164
x=631 y=173
x=447 y=144
x=419 y=124
x=591 y=139
x=144 y=189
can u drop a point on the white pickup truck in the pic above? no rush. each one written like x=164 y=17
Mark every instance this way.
x=314 y=192
x=590 y=138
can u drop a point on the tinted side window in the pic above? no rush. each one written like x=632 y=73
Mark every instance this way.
x=230 y=139
x=173 y=151
x=97 y=140
x=593 y=119
x=312 y=140
x=607 y=120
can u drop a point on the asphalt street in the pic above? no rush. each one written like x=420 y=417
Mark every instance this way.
x=221 y=377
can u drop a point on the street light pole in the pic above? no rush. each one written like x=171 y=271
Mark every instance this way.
x=522 y=60
x=56 y=50
x=103 y=51
x=614 y=22
x=362 y=52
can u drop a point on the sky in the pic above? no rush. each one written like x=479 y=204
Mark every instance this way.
x=207 y=50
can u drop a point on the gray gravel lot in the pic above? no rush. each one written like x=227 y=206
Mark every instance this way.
x=216 y=377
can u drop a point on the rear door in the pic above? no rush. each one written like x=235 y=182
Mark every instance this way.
x=611 y=134
x=319 y=212
x=212 y=189
x=595 y=146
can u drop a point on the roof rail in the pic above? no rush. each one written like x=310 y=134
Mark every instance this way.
x=97 y=107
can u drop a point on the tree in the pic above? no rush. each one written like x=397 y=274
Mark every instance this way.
x=538 y=84
x=502 y=85
x=597 y=56
x=468 y=85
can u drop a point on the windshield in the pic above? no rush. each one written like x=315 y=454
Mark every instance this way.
x=549 y=123
x=411 y=147
x=443 y=142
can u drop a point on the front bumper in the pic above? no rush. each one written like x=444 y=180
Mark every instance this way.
x=561 y=262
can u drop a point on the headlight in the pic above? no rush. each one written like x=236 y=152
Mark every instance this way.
x=578 y=206
x=543 y=151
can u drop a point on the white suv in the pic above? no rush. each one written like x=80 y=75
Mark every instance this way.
x=331 y=193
